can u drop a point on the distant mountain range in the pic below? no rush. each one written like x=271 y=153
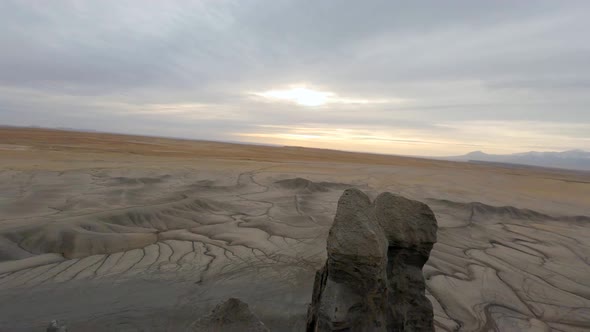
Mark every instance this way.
x=571 y=159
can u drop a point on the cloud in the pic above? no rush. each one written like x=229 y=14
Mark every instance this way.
x=428 y=69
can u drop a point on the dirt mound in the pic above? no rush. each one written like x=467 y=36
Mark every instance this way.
x=480 y=212
x=301 y=184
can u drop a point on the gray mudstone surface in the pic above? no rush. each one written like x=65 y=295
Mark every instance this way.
x=372 y=279
x=232 y=315
x=56 y=326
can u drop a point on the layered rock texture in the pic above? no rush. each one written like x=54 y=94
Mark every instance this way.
x=372 y=280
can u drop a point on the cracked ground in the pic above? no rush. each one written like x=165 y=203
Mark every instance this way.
x=150 y=234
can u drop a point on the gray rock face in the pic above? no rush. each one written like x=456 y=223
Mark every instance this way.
x=372 y=280
x=231 y=315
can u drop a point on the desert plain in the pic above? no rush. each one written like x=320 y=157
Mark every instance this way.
x=110 y=232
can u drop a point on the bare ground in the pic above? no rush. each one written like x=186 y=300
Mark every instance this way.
x=128 y=233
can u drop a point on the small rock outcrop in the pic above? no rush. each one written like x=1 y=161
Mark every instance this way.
x=372 y=279
x=56 y=326
x=232 y=315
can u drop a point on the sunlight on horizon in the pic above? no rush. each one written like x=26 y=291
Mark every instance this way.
x=406 y=142
x=491 y=136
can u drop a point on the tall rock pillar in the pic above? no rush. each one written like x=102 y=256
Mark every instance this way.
x=372 y=279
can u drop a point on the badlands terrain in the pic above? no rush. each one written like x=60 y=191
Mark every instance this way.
x=126 y=233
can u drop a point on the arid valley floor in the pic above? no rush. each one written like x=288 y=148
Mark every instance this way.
x=128 y=233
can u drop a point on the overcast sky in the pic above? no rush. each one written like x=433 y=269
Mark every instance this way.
x=401 y=77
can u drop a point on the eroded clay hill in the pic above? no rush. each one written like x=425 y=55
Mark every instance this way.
x=106 y=232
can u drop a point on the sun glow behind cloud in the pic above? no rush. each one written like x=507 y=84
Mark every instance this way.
x=301 y=96
x=304 y=96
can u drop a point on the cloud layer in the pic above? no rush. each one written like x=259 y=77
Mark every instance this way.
x=420 y=77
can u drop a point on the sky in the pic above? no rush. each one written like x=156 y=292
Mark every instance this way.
x=430 y=78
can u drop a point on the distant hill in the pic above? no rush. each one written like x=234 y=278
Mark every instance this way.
x=571 y=159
